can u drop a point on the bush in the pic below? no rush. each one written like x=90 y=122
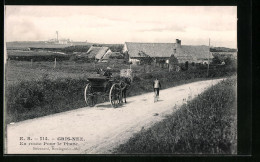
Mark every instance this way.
x=148 y=76
x=78 y=48
x=216 y=60
x=136 y=79
x=186 y=65
x=43 y=97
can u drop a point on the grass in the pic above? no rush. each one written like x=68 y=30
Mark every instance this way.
x=40 y=89
x=39 y=98
x=205 y=125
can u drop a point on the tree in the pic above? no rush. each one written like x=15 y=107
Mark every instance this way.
x=228 y=61
x=216 y=60
x=173 y=60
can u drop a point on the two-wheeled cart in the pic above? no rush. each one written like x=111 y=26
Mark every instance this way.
x=104 y=87
x=107 y=87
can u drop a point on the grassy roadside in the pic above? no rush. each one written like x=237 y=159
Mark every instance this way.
x=36 y=98
x=205 y=125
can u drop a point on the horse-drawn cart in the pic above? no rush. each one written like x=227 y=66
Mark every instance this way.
x=105 y=87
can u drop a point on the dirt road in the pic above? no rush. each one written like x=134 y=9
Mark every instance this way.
x=99 y=129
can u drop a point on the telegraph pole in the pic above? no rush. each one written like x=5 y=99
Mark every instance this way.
x=208 y=60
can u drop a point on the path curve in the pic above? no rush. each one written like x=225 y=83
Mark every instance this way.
x=99 y=129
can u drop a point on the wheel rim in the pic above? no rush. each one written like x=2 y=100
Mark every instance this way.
x=114 y=95
x=89 y=96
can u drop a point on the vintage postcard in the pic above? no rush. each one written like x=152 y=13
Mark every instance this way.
x=120 y=80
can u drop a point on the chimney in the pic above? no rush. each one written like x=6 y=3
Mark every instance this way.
x=178 y=43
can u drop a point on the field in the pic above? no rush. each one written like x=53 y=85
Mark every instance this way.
x=19 y=71
x=205 y=125
x=38 y=89
x=39 y=44
x=20 y=55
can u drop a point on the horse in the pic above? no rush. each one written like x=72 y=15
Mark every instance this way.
x=125 y=84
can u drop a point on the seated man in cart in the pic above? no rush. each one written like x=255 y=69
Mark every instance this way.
x=99 y=71
x=108 y=73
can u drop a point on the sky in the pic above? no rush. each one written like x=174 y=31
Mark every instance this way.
x=193 y=25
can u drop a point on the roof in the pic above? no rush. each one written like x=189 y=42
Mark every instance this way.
x=198 y=52
x=151 y=49
x=182 y=53
x=97 y=52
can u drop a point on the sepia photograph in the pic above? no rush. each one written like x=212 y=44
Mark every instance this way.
x=120 y=80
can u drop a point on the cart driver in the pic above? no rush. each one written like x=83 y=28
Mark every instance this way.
x=108 y=73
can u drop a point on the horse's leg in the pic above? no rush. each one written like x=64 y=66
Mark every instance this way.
x=125 y=95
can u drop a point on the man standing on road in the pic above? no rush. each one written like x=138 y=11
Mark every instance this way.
x=156 y=86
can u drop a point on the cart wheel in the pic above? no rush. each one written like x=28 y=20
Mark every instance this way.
x=115 y=95
x=89 y=96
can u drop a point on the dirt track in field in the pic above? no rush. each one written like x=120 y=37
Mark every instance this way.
x=99 y=129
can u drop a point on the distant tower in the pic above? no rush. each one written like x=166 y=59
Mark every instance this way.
x=57 y=35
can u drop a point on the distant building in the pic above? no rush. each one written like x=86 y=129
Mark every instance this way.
x=223 y=55
x=64 y=41
x=97 y=52
x=60 y=41
x=163 y=51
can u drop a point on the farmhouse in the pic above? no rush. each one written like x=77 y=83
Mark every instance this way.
x=162 y=52
x=97 y=52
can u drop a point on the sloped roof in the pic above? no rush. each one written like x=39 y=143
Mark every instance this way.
x=97 y=52
x=183 y=56
x=151 y=49
x=198 y=52
x=182 y=53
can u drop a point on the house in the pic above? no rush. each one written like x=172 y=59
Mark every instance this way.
x=161 y=52
x=139 y=51
x=97 y=52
